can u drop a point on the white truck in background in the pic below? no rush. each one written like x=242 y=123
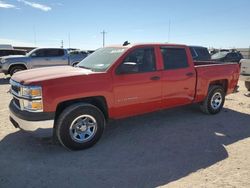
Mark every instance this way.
x=39 y=57
x=245 y=71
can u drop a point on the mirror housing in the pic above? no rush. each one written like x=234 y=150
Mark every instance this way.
x=128 y=68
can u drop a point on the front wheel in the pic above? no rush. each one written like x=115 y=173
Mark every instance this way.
x=15 y=69
x=80 y=126
x=214 y=101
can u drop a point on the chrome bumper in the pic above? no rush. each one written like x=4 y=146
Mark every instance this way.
x=40 y=128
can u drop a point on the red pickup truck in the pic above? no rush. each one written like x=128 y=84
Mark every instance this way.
x=113 y=83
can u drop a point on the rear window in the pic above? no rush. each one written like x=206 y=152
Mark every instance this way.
x=174 y=58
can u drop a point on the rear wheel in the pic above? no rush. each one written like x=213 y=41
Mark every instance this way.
x=214 y=101
x=80 y=126
x=15 y=69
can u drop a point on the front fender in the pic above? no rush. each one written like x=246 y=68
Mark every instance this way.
x=17 y=63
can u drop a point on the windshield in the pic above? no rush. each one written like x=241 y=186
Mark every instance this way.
x=219 y=55
x=101 y=59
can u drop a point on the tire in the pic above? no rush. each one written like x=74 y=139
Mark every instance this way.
x=214 y=101
x=15 y=69
x=247 y=84
x=80 y=126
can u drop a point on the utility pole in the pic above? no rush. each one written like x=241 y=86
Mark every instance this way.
x=69 y=39
x=103 y=37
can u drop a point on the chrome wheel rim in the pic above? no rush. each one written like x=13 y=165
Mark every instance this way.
x=216 y=100
x=83 y=128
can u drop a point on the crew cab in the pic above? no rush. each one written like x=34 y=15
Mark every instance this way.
x=39 y=57
x=113 y=83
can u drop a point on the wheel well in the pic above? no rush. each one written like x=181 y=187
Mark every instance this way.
x=15 y=65
x=223 y=83
x=99 y=102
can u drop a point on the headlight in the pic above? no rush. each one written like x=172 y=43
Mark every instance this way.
x=31 y=92
x=3 y=60
x=34 y=105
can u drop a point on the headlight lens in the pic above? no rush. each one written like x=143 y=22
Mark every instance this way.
x=35 y=105
x=31 y=92
x=3 y=60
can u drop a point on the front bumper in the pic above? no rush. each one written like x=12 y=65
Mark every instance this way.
x=40 y=124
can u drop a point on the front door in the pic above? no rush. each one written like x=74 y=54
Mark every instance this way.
x=139 y=90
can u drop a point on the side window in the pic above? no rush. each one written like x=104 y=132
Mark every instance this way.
x=39 y=53
x=174 y=58
x=143 y=59
x=54 y=52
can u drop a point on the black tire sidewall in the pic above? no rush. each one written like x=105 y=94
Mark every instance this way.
x=210 y=95
x=12 y=70
x=68 y=117
x=247 y=85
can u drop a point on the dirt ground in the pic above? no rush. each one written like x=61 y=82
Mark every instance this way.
x=173 y=148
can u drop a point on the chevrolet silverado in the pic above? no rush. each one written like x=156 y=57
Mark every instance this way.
x=113 y=83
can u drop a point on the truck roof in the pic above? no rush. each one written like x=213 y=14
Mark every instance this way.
x=146 y=44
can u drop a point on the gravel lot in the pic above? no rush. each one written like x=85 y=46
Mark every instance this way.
x=174 y=148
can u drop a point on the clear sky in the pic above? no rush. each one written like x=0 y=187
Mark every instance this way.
x=210 y=23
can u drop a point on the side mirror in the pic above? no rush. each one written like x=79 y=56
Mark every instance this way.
x=128 y=68
x=33 y=55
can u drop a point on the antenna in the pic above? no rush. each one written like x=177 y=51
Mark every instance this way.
x=103 y=37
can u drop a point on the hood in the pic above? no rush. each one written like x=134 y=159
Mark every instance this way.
x=14 y=57
x=49 y=73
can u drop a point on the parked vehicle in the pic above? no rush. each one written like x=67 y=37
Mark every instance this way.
x=6 y=46
x=113 y=83
x=200 y=53
x=78 y=54
x=7 y=52
x=227 y=56
x=245 y=71
x=245 y=66
x=39 y=57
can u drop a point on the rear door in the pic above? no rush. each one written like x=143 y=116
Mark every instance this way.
x=48 y=57
x=138 y=92
x=57 y=57
x=179 y=77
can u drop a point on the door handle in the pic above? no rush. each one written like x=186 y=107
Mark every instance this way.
x=154 y=78
x=189 y=74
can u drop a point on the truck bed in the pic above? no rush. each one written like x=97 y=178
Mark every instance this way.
x=208 y=72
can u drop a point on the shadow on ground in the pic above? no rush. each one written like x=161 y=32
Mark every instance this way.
x=4 y=81
x=145 y=151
